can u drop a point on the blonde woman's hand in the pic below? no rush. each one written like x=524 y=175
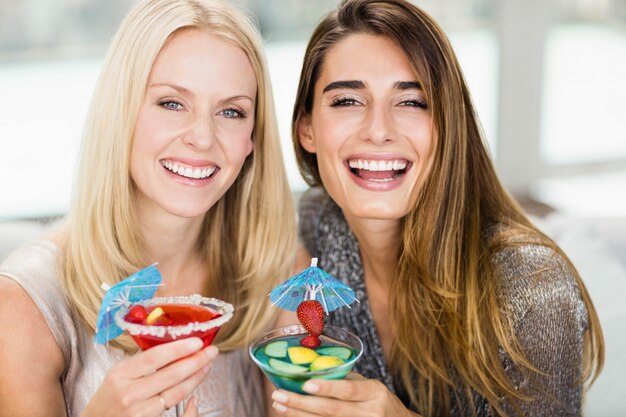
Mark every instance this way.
x=148 y=383
x=355 y=396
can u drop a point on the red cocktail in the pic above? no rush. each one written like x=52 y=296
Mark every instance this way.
x=161 y=320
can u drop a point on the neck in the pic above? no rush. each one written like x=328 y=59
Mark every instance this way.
x=379 y=243
x=171 y=241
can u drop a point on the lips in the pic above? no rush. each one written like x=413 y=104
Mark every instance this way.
x=378 y=170
x=189 y=171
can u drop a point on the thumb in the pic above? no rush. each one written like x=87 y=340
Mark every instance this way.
x=355 y=377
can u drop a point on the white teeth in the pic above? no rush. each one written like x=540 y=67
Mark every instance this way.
x=373 y=165
x=188 y=172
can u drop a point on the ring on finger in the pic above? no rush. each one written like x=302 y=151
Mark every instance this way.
x=162 y=401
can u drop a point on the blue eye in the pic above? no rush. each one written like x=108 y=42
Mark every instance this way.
x=231 y=113
x=171 y=105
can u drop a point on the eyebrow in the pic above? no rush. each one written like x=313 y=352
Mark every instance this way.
x=176 y=87
x=183 y=90
x=408 y=85
x=351 y=84
x=357 y=85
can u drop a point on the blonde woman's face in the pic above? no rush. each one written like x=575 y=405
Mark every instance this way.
x=370 y=127
x=194 y=129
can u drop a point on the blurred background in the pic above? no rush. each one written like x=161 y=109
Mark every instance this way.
x=547 y=77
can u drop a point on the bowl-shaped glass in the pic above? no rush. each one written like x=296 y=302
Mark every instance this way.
x=294 y=382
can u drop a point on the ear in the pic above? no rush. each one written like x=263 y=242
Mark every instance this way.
x=305 y=134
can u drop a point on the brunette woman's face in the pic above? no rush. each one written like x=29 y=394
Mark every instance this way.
x=370 y=128
x=194 y=129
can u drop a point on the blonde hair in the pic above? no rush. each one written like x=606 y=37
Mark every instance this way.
x=248 y=236
x=445 y=313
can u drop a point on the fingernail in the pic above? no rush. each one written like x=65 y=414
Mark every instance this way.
x=310 y=387
x=279 y=407
x=194 y=343
x=279 y=396
x=211 y=352
x=195 y=401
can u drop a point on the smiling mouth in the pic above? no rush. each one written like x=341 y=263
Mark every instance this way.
x=186 y=171
x=378 y=170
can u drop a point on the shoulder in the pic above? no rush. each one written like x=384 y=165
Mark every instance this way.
x=36 y=268
x=532 y=263
x=31 y=282
x=536 y=279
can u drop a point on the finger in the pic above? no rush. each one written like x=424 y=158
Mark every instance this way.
x=292 y=404
x=154 y=406
x=179 y=371
x=353 y=376
x=191 y=407
x=283 y=410
x=182 y=390
x=146 y=362
x=347 y=390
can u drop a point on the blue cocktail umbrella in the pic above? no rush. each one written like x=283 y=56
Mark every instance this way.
x=139 y=286
x=313 y=284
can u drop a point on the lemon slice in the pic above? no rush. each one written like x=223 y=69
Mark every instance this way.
x=154 y=315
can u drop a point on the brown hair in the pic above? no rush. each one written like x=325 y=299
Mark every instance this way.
x=446 y=317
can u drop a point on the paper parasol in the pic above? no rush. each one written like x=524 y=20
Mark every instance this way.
x=313 y=284
x=139 y=286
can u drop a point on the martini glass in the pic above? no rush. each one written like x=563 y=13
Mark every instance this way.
x=286 y=375
x=187 y=316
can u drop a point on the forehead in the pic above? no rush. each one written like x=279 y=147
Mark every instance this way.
x=367 y=57
x=198 y=55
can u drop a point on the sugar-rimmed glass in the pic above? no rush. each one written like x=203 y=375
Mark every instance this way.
x=150 y=335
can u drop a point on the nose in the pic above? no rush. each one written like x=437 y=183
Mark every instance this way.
x=202 y=134
x=378 y=125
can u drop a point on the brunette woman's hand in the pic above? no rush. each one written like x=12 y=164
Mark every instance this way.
x=355 y=396
x=148 y=383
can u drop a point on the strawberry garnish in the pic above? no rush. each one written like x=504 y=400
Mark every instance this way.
x=310 y=341
x=136 y=314
x=311 y=315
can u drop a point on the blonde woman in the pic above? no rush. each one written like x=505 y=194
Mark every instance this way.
x=466 y=309
x=180 y=164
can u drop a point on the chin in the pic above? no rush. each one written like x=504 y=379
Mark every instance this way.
x=187 y=210
x=363 y=210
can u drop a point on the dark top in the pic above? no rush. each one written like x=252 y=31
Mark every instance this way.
x=537 y=288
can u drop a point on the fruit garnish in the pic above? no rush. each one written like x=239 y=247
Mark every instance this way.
x=136 y=314
x=286 y=367
x=277 y=349
x=159 y=317
x=325 y=362
x=311 y=315
x=338 y=351
x=301 y=355
x=310 y=341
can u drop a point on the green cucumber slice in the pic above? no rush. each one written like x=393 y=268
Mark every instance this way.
x=277 y=349
x=338 y=351
x=286 y=367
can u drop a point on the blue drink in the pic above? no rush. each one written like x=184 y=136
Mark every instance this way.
x=288 y=365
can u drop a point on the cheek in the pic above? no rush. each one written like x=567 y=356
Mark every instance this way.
x=237 y=142
x=146 y=132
